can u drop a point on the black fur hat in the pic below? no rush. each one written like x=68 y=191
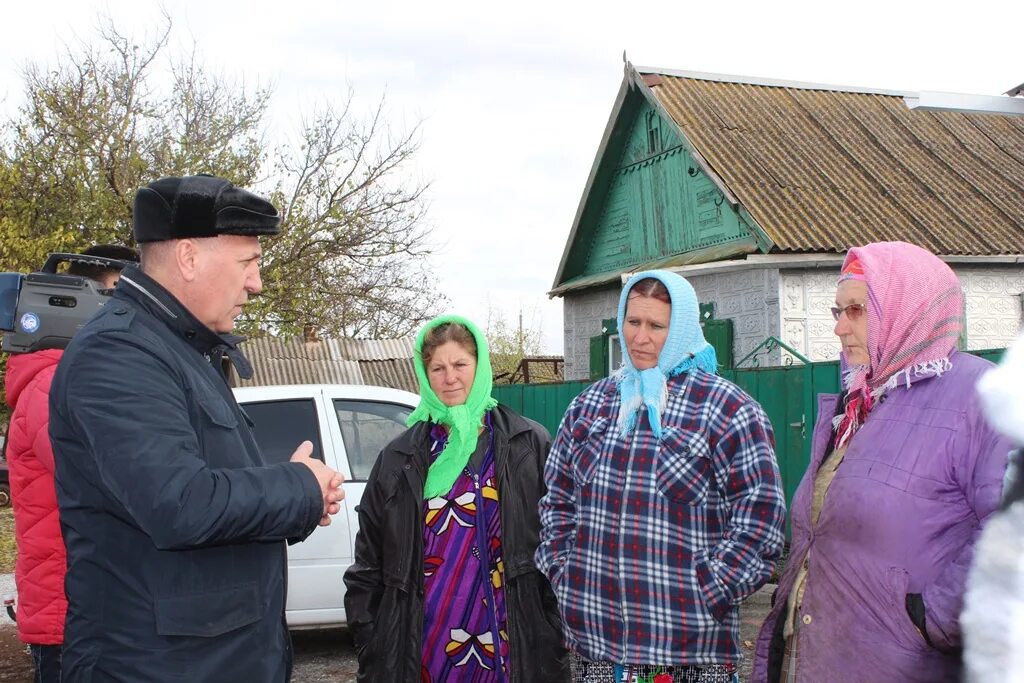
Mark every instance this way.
x=199 y=206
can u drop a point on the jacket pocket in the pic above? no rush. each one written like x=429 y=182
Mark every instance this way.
x=217 y=411
x=535 y=630
x=684 y=467
x=587 y=442
x=711 y=593
x=208 y=614
x=897 y=580
x=389 y=621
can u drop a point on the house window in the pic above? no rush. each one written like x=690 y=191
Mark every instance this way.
x=653 y=133
x=605 y=355
x=614 y=353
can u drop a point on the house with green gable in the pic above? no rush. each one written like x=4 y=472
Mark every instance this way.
x=753 y=190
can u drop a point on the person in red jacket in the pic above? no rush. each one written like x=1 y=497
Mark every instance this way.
x=41 y=562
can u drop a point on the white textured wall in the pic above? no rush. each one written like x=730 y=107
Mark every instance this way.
x=751 y=299
x=582 y=315
x=807 y=296
x=993 y=308
x=993 y=305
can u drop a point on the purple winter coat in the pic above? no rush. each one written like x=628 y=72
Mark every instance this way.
x=901 y=516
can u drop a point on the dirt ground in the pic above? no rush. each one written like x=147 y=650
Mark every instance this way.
x=15 y=662
x=327 y=655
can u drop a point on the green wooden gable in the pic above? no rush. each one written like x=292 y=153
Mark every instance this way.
x=649 y=204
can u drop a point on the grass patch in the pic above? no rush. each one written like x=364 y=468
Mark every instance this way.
x=8 y=549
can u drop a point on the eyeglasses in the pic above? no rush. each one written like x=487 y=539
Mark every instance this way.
x=853 y=312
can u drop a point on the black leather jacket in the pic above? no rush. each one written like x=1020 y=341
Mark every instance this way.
x=384 y=586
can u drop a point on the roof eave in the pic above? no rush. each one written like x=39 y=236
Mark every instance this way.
x=707 y=254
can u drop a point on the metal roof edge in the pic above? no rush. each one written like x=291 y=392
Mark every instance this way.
x=760 y=262
x=814 y=260
x=964 y=103
x=996 y=259
x=769 y=82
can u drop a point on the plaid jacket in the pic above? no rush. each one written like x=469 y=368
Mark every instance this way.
x=651 y=547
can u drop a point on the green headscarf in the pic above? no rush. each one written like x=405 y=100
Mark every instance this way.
x=463 y=421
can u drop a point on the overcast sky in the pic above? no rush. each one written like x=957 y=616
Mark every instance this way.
x=513 y=101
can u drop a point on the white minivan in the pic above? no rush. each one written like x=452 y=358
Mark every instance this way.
x=348 y=425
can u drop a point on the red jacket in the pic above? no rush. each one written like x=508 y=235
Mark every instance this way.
x=39 y=570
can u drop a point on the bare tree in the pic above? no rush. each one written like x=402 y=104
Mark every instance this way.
x=351 y=258
x=92 y=131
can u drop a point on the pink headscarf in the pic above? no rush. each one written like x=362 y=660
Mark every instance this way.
x=914 y=310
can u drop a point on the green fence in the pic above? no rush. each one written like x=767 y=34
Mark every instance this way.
x=545 y=403
x=789 y=395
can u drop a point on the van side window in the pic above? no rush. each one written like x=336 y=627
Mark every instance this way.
x=280 y=426
x=367 y=427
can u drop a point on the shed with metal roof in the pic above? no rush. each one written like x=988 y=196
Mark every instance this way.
x=385 y=363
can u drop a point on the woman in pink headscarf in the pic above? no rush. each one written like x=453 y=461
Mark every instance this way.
x=904 y=471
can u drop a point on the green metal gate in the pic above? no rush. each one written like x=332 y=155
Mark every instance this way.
x=545 y=403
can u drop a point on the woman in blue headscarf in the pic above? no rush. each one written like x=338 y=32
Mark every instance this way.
x=664 y=506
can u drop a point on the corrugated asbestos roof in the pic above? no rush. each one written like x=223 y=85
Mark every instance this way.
x=385 y=363
x=824 y=169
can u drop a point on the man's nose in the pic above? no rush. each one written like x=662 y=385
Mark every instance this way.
x=254 y=284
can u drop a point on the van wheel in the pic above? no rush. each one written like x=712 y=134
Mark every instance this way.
x=5 y=495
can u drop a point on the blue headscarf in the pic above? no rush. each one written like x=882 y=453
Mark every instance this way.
x=685 y=348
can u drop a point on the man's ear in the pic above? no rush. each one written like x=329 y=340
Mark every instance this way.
x=186 y=259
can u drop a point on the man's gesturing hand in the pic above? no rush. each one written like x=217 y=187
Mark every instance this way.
x=329 y=480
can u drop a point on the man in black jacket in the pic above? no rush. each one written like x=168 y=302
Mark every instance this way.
x=173 y=523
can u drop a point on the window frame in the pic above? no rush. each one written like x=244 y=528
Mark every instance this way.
x=333 y=405
x=318 y=445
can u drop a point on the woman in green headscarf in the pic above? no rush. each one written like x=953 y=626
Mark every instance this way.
x=444 y=587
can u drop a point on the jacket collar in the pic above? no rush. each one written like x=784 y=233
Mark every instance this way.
x=506 y=424
x=151 y=296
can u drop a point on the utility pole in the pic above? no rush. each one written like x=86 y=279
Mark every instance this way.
x=522 y=342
